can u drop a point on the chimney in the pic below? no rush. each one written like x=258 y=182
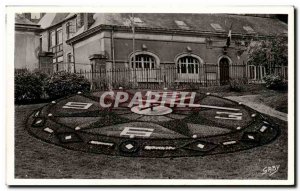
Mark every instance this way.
x=79 y=20
x=85 y=20
x=27 y=16
x=88 y=20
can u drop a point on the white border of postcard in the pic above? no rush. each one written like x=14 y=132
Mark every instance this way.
x=10 y=170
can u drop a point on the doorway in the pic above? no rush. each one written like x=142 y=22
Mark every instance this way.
x=224 y=71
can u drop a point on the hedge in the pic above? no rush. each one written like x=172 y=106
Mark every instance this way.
x=32 y=87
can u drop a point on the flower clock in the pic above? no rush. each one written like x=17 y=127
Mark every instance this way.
x=151 y=124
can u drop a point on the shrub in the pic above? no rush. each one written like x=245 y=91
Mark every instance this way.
x=100 y=83
x=63 y=83
x=276 y=82
x=237 y=85
x=124 y=83
x=29 y=86
x=192 y=86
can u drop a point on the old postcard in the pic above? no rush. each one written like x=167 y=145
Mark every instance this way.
x=111 y=96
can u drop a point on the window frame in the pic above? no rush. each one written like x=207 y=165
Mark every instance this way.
x=252 y=72
x=188 y=65
x=249 y=29
x=57 y=48
x=70 y=33
x=181 y=24
x=259 y=72
x=217 y=27
x=141 y=61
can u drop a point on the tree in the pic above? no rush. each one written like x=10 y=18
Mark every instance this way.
x=269 y=53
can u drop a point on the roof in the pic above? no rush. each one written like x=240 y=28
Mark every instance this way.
x=21 y=20
x=24 y=24
x=51 y=19
x=196 y=22
x=187 y=23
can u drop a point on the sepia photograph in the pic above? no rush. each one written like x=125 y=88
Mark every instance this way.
x=108 y=97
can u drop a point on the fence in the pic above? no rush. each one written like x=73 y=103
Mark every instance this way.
x=191 y=76
x=187 y=76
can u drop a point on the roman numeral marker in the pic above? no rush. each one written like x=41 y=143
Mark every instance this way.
x=77 y=105
x=136 y=132
x=228 y=115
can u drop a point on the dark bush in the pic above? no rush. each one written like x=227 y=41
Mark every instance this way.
x=237 y=85
x=63 y=83
x=124 y=83
x=276 y=82
x=101 y=83
x=192 y=86
x=29 y=86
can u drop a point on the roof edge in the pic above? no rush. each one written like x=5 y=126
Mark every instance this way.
x=102 y=27
x=28 y=24
x=60 y=22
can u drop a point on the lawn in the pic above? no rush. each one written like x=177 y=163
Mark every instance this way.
x=37 y=159
x=275 y=99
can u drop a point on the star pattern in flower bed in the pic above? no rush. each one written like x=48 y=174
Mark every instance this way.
x=212 y=125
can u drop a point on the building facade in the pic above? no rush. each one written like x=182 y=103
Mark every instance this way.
x=177 y=47
x=27 y=43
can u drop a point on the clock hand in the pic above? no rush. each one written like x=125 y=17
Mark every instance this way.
x=208 y=106
x=151 y=106
x=152 y=102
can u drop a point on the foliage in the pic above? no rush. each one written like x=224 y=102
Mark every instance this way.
x=100 y=84
x=192 y=86
x=237 y=85
x=63 y=83
x=276 y=82
x=124 y=83
x=271 y=52
x=29 y=86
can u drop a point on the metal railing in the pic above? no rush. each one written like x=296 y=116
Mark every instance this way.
x=189 y=76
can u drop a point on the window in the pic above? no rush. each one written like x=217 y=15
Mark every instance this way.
x=256 y=72
x=182 y=24
x=143 y=61
x=70 y=29
x=188 y=65
x=59 y=36
x=136 y=20
x=41 y=43
x=248 y=29
x=252 y=72
x=69 y=57
x=56 y=37
x=285 y=72
x=52 y=38
x=55 y=46
x=35 y=16
x=217 y=27
x=60 y=59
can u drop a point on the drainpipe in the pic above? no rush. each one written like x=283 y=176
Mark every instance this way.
x=73 y=57
x=113 y=47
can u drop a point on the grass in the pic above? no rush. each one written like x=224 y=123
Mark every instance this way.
x=274 y=99
x=37 y=159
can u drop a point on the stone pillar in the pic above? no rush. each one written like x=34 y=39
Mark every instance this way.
x=98 y=62
x=46 y=62
x=98 y=65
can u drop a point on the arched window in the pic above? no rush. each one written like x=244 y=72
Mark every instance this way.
x=188 y=65
x=143 y=61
